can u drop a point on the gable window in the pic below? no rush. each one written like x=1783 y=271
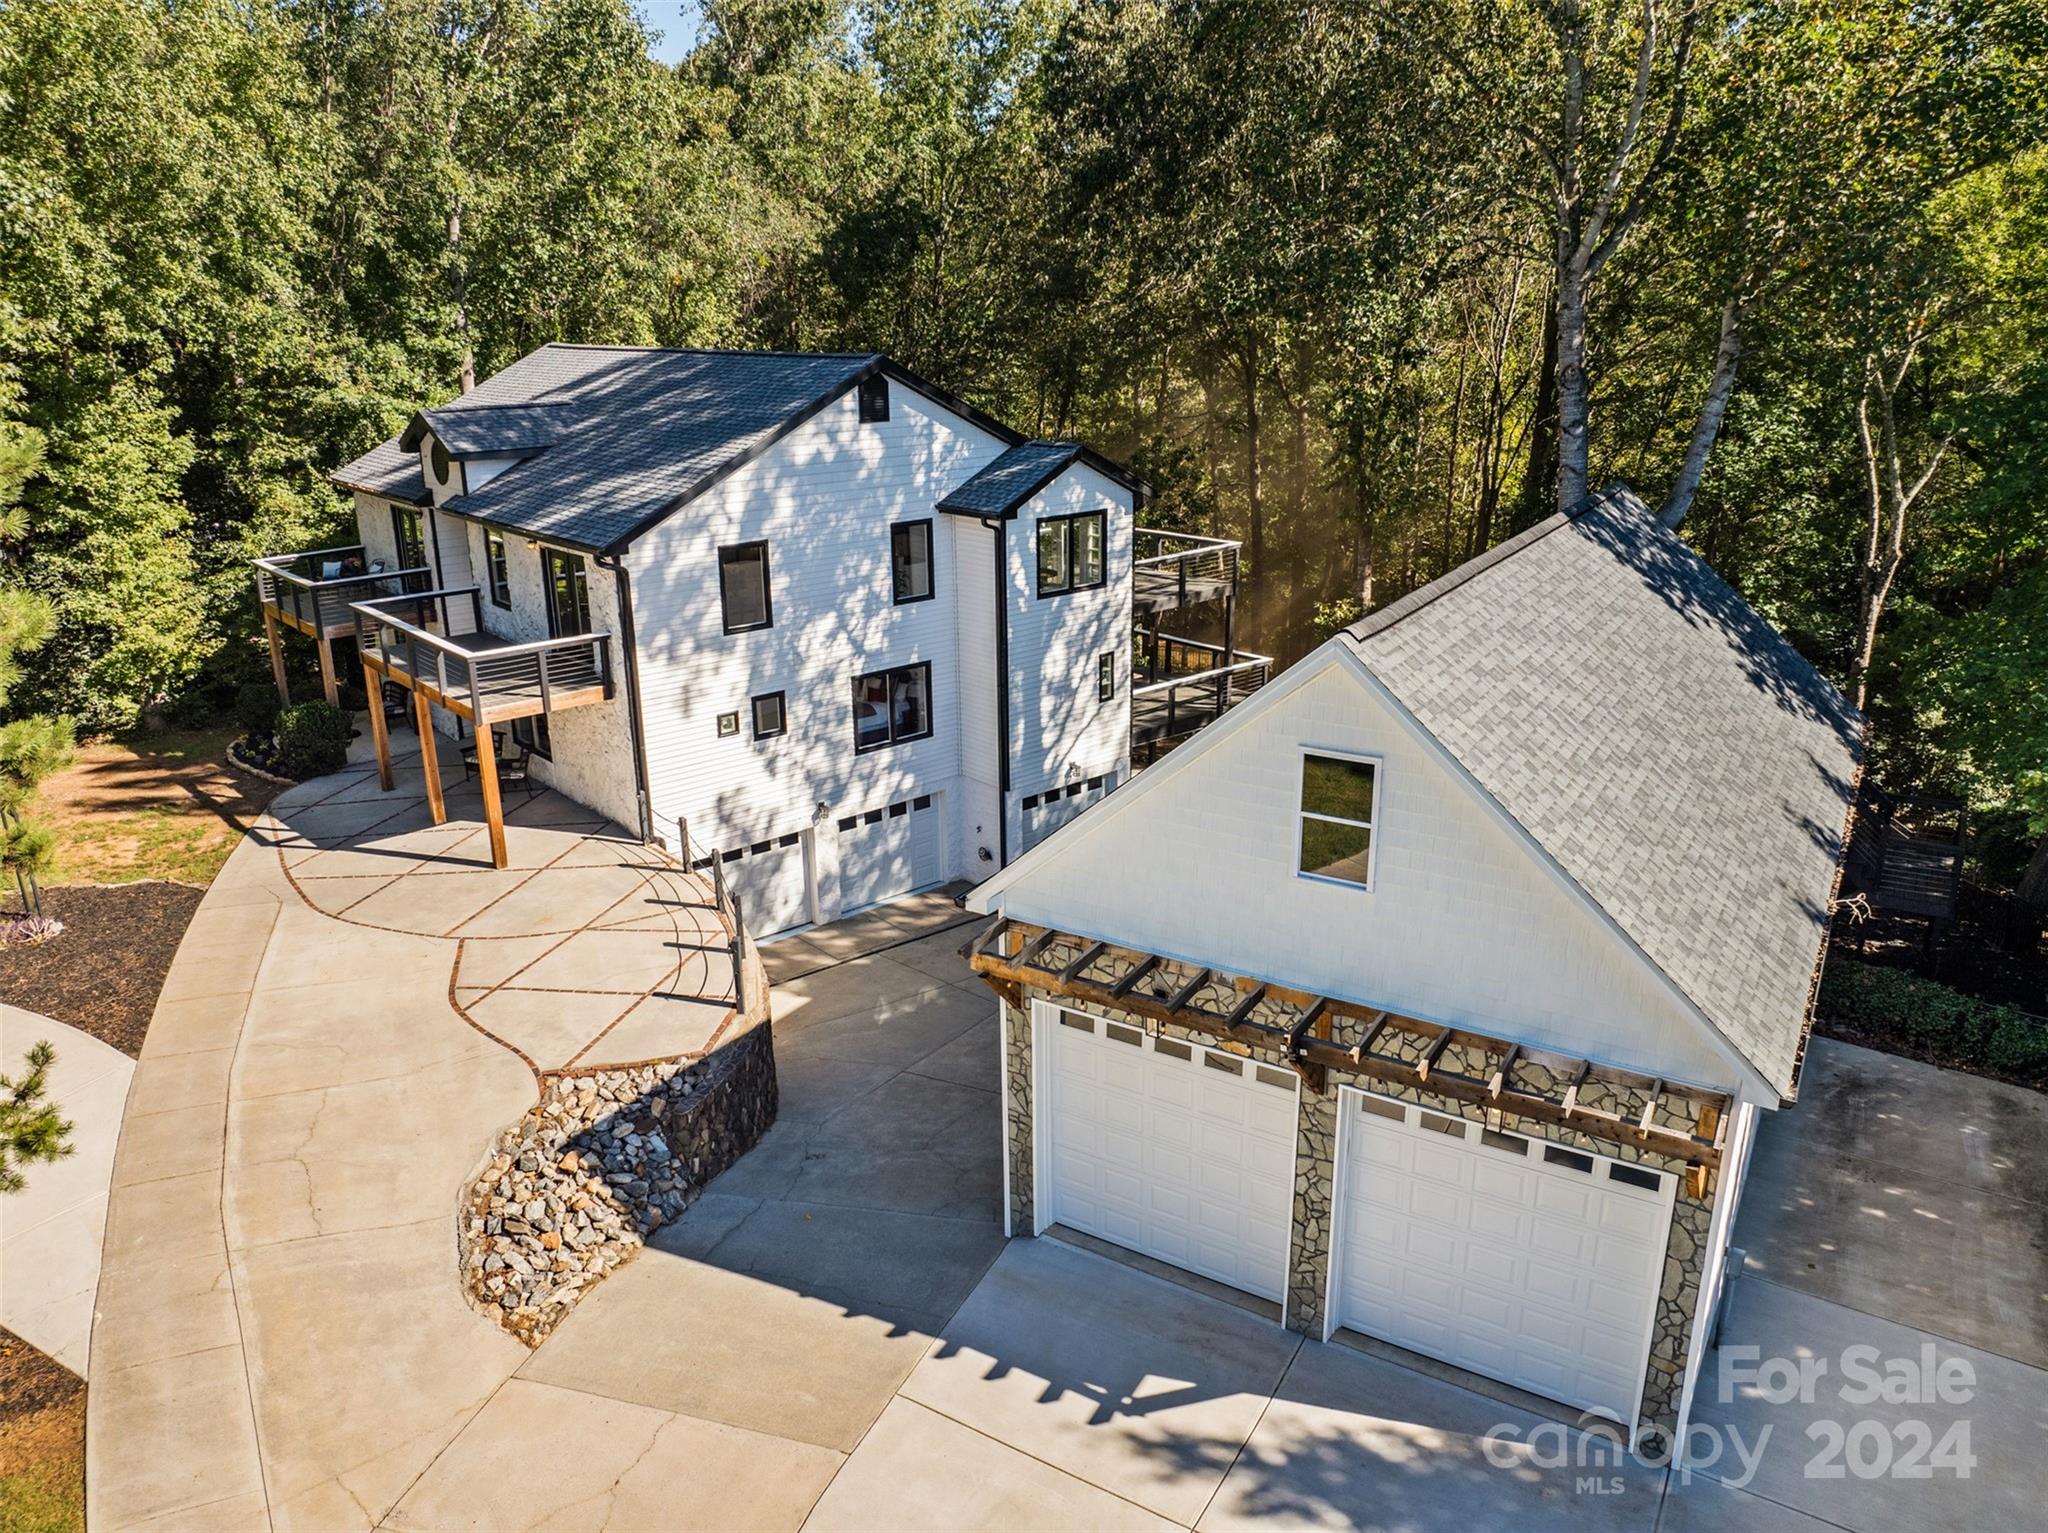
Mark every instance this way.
x=497 y=569
x=1105 y=677
x=910 y=560
x=1338 y=801
x=743 y=587
x=568 y=596
x=411 y=541
x=874 y=398
x=892 y=706
x=1070 y=552
x=771 y=717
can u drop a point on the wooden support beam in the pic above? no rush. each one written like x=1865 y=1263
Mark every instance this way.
x=1186 y=993
x=1134 y=978
x=1432 y=1054
x=327 y=683
x=494 y=807
x=1650 y=1104
x=1242 y=1012
x=429 y=761
x=1708 y=1126
x=1080 y=964
x=1571 y=1092
x=1502 y=1071
x=1374 y=1028
x=270 y=631
x=1316 y=1016
x=380 y=728
x=978 y=944
x=1038 y=944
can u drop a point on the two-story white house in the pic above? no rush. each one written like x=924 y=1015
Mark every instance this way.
x=806 y=613
x=1434 y=993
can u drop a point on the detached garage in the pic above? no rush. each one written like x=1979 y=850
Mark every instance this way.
x=1523 y=1260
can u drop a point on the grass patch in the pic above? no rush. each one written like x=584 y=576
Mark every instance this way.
x=42 y=1442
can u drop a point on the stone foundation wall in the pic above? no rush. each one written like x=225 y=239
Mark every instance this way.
x=573 y=1189
x=1017 y=1079
x=1315 y=1190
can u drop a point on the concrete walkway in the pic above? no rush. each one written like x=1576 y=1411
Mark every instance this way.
x=359 y=1006
x=50 y=1231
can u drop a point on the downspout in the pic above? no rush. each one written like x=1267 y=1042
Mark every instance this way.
x=995 y=525
x=629 y=661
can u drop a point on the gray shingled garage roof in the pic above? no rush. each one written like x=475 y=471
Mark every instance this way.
x=652 y=428
x=1661 y=741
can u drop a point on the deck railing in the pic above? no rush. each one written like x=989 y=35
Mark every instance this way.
x=728 y=903
x=1182 y=566
x=1193 y=683
x=472 y=663
x=292 y=585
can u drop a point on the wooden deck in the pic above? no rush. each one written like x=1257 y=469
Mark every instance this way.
x=314 y=593
x=1181 y=569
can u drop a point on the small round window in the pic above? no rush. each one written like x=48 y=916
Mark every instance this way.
x=440 y=461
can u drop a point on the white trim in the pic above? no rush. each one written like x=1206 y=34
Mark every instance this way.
x=1044 y=1017
x=1709 y=1291
x=1306 y=749
x=1667 y=1198
x=1332 y=1277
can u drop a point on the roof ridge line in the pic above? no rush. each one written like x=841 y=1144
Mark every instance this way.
x=1374 y=624
x=696 y=351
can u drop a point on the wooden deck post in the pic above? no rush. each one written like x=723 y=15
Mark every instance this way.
x=380 y=731
x=284 y=691
x=494 y=806
x=429 y=762
x=327 y=683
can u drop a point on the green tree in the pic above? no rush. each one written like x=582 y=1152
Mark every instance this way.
x=32 y=1131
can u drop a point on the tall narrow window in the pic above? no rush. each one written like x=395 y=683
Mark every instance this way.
x=1071 y=552
x=910 y=560
x=568 y=597
x=1337 y=807
x=892 y=706
x=874 y=398
x=411 y=541
x=497 y=569
x=771 y=716
x=743 y=587
x=1105 y=676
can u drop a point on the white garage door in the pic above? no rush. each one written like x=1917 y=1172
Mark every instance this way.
x=1517 y=1259
x=1046 y=812
x=1175 y=1151
x=772 y=883
x=889 y=851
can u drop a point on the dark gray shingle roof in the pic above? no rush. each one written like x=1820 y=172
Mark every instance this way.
x=653 y=428
x=1013 y=478
x=388 y=470
x=472 y=431
x=1669 y=749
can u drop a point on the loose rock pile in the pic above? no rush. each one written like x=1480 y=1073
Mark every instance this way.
x=574 y=1188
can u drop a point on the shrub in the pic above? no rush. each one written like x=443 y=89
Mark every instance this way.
x=256 y=708
x=1893 y=1005
x=312 y=738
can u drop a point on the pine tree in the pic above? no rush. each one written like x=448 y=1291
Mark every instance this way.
x=31 y=1129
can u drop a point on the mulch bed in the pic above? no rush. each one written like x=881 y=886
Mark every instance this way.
x=102 y=973
x=42 y=1440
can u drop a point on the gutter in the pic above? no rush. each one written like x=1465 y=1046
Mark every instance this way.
x=629 y=659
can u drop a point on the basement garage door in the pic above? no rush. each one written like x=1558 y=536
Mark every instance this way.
x=773 y=884
x=888 y=852
x=1175 y=1151
x=1521 y=1260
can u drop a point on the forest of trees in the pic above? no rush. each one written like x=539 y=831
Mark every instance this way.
x=1371 y=284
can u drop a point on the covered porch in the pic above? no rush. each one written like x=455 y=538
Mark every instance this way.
x=314 y=592
x=434 y=645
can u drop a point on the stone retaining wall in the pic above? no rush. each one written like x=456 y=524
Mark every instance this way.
x=573 y=1189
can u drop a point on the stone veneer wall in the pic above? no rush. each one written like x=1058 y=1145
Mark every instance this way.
x=1315 y=1191
x=573 y=1189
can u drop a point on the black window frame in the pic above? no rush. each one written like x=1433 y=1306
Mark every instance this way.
x=931 y=576
x=873 y=395
x=1069 y=525
x=538 y=737
x=409 y=537
x=730 y=554
x=497 y=568
x=572 y=564
x=781 y=702
x=1105 y=677
x=888 y=675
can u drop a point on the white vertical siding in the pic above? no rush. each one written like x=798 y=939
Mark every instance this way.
x=824 y=498
x=1463 y=923
x=1060 y=729
x=979 y=810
